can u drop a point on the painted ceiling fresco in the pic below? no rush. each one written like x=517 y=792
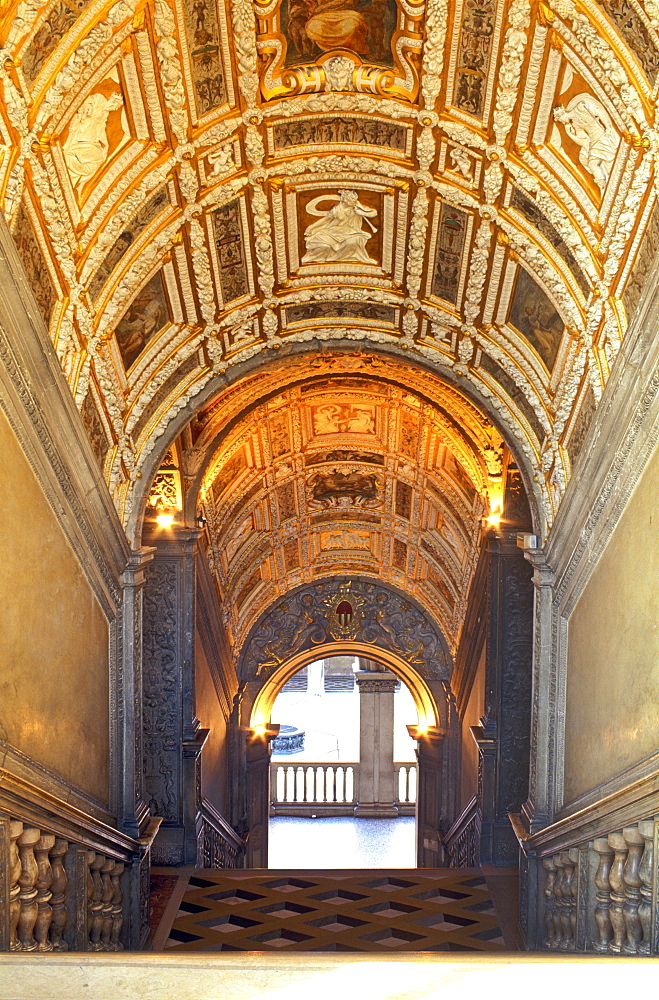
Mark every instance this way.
x=193 y=184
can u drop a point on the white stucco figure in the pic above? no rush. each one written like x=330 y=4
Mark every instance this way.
x=338 y=235
x=86 y=147
x=587 y=122
x=221 y=161
x=461 y=162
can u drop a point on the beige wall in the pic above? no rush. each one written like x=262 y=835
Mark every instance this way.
x=612 y=717
x=214 y=772
x=54 y=686
x=473 y=713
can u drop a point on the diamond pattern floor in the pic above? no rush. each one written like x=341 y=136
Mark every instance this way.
x=363 y=911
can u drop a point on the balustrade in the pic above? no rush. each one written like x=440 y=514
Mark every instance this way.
x=218 y=845
x=42 y=901
x=317 y=784
x=331 y=785
x=405 y=783
x=616 y=886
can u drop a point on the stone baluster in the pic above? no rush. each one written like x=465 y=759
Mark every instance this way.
x=15 y=830
x=43 y=883
x=106 y=898
x=567 y=902
x=603 y=896
x=645 y=872
x=117 y=907
x=618 y=896
x=573 y=856
x=635 y=844
x=89 y=896
x=558 y=903
x=27 y=896
x=550 y=916
x=95 y=902
x=58 y=889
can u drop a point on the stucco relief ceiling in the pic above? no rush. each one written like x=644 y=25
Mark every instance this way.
x=341 y=474
x=192 y=184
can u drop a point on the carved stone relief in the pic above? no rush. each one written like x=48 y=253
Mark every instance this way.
x=339 y=233
x=154 y=205
x=302 y=619
x=587 y=122
x=95 y=429
x=162 y=691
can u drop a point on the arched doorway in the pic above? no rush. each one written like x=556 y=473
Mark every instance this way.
x=343 y=768
x=429 y=732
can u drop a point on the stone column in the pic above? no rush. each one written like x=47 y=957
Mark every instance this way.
x=132 y=810
x=376 y=743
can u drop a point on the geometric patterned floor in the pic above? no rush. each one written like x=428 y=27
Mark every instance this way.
x=361 y=911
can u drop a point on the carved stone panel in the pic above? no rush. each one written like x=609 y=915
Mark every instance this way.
x=162 y=690
x=306 y=618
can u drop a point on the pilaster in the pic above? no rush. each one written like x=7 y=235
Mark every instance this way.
x=172 y=738
x=132 y=810
x=504 y=735
x=429 y=754
x=376 y=743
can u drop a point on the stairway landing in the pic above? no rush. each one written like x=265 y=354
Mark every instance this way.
x=369 y=910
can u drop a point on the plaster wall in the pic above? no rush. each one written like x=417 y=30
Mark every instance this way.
x=612 y=708
x=473 y=714
x=214 y=774
x=54 y=669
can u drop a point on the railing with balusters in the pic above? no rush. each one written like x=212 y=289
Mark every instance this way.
x=330 y=788
x=405 y=784
x=70 y=883
x=218 y=844
x=600 y=895
x=461 y=844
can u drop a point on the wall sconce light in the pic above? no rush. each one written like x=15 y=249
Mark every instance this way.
x=165 y=517
x=264 y=730
x=201 y=521
x=493 y=519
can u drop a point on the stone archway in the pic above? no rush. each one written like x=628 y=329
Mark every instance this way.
x=386 y=627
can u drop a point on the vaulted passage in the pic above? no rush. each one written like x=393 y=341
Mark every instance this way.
x=328 y=329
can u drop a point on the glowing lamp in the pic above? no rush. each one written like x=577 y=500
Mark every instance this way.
x=493 y=519
x=165 y=520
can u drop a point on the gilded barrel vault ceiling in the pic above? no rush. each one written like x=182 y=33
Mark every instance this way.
x=346 y=475
x=191 y=184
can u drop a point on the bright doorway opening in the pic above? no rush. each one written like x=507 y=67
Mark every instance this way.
x=343 y=769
